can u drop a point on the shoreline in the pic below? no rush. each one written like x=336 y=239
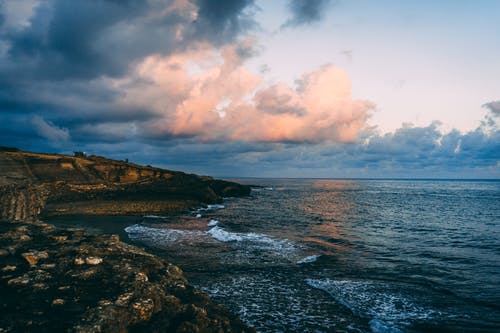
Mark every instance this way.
x=67 y=279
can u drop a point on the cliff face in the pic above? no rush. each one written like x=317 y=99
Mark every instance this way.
x=65 y=280
x=33 y=184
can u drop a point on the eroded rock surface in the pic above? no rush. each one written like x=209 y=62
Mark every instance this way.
x=35 y=184
x=60 y=280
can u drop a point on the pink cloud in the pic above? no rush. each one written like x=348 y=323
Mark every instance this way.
x=210 y=95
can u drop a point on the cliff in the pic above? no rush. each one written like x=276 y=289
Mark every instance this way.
x=35 y=184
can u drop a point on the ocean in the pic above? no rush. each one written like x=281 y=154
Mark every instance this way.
x=310 y=255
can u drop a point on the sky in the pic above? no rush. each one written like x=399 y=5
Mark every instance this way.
x=255 y=88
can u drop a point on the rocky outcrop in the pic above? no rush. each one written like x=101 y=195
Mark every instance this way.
x=65 y=280
x=22 y=202
x=34 y=184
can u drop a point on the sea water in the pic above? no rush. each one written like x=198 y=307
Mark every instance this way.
x=345 y=255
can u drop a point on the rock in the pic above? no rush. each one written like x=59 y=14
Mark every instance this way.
x=59 y=238
x=124 y=299
x=40 y=286
x=93 y=260
x=34 y=256
x=19 y=281
x=97 y=284
x=24 y=238
x=86 y=274
x=9 y=268
x=79 y=261
x=4 y=252
x=34 y=185
x=143 y=308
x=105 y=302
x=58 y=301
x=141 y=277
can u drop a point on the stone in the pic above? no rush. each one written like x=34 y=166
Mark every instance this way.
x=19 y=281
x=143 y=308
x=34 y=256
x=59 y=238
x=58 y=301
x=85 y=275
x=24 y=238
x=93 y=260
x=79 y=261
x=40 y=286
x=105 y=302
x=4 y=252
x=124 y=299
x=142 y=277
x=9 y=268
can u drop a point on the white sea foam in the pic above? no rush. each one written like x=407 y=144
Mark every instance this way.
x=198 y=216
x=155 y=217
x=160 y=236
x=213 y=223
x=215 y=207
x=251 y=239
x=308 y=259
x=385 y=304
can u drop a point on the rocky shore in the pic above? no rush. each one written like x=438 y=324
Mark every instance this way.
x=66 y=280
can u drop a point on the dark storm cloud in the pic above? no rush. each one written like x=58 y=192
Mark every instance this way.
x=87 y=39
x=223 y=20
x=306 y=11
x=54 y=67
x=65 y=39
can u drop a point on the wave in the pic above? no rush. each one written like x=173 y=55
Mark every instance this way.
x=160 y=237
x=388 y=307
x=308 y=259
x=212 y=207
x=155 y=217
x=212 y=223
x=251 y=239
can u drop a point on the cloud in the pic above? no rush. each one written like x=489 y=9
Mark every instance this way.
x=223 y=20
x=88 y=39
x=17 y=13
x=222 y=100
x=164 y=82
x=491 y=121
x=279 y=99
x=410 y=151
x=305 y=12
x=49 y=131
x=494 y=107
